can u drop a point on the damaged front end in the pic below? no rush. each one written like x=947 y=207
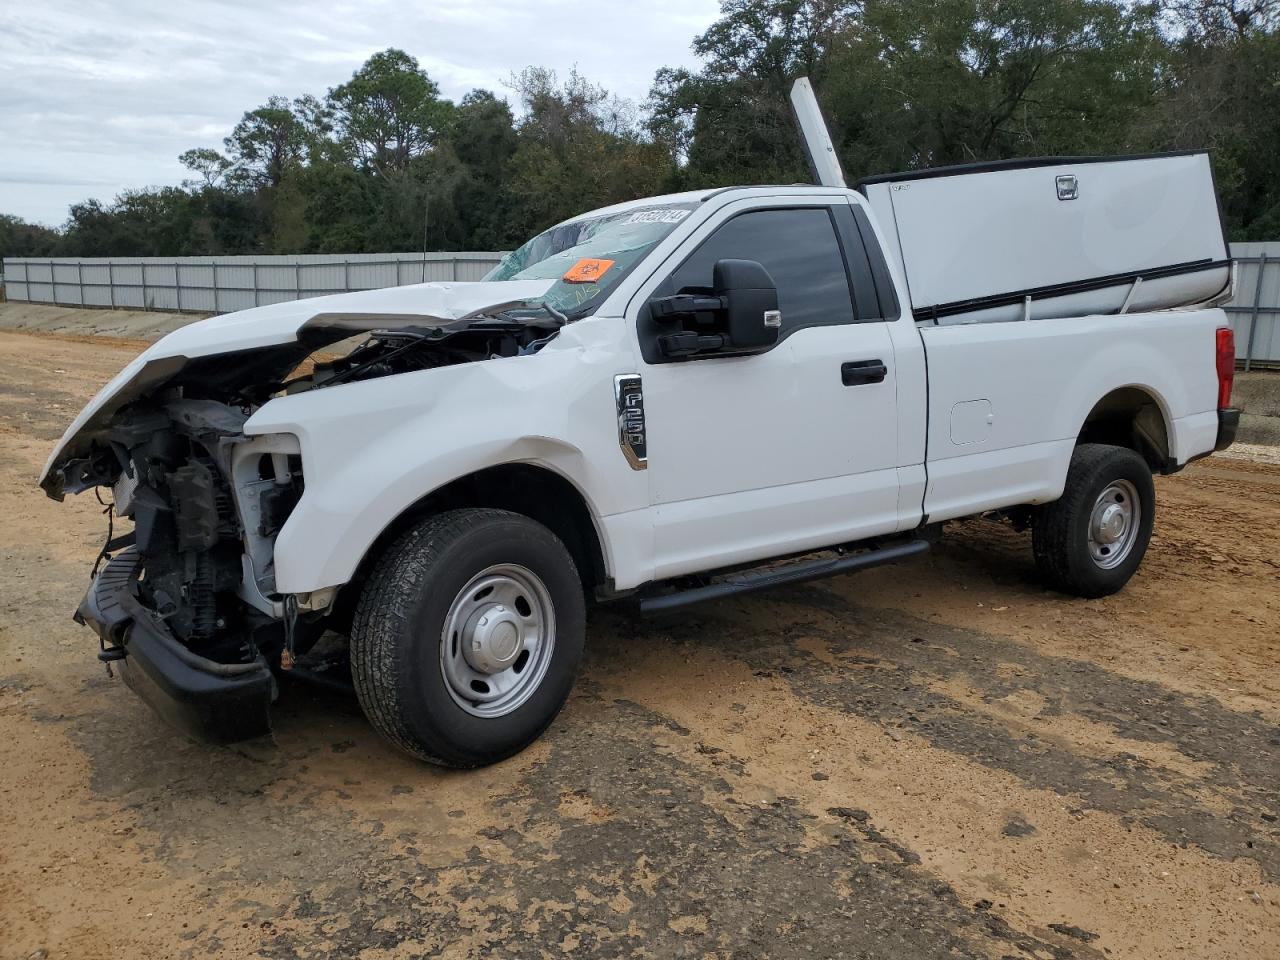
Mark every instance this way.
x=186 y=605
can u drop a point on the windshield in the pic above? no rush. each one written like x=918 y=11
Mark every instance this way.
x=589 y=256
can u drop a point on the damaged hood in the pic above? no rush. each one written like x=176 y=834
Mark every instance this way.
x=279 y=325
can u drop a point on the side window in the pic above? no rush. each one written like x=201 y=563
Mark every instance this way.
x=799 y=249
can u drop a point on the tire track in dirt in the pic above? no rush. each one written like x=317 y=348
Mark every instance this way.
x=1004 y=828
x=1199 y=616
x=620 y=833
x=625 y=839
x=901 y=667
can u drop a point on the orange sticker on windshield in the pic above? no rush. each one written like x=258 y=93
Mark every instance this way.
x=587 y=270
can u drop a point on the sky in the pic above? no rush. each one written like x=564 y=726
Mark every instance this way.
x=99 y=97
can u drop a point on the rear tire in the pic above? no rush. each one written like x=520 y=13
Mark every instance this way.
x=1090 y=542
x=467 y=636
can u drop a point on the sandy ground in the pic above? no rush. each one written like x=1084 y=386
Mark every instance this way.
x=121 y=324
x=938 y=759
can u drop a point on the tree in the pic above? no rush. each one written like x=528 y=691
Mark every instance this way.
x=317 y=121
x=383 y=162
x=478 y=148
x=21 y=239
x=266 y=144
x=1219 y=90
x=1223 y=20
x=774 y=41
x=209 y=165
x=388 y=113
x=168 y=221
x=908 y=85
x=732 y=120
x=578 y=147
x=990 y=79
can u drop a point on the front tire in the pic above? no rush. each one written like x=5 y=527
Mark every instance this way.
x=467 y=636
x=1091 y=541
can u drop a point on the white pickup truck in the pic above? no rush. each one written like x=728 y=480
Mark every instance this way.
x=668 y=400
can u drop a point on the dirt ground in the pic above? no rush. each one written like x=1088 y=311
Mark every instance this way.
x=938 y=759
x=124 y=324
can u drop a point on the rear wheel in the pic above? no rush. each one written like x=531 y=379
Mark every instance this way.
x=467 y=636
x=1091 y=541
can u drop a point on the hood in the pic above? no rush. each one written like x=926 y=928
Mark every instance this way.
x=281 y=334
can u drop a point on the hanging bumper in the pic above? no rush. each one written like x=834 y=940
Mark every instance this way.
x=206 y=700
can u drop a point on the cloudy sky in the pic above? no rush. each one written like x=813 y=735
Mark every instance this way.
x=97 y=97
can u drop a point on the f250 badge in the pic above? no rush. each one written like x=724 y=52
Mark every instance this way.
x=629 y=395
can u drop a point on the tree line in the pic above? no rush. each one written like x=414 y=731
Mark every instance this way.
x=384 y=162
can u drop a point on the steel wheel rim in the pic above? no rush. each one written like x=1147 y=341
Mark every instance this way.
x=1113 y=524
x=497 y=640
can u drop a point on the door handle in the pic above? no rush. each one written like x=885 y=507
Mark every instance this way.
x=855 y=372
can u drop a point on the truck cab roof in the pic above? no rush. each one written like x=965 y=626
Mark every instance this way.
x=701 y=196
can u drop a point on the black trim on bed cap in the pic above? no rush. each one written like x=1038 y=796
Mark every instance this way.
x=1012 y=297
x=993 y=166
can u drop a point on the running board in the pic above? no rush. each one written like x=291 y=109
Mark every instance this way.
x=762 y=579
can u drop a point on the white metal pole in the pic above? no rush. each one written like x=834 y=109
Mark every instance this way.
x=814 y=136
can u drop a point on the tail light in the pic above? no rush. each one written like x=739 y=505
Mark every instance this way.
x=1226 y=365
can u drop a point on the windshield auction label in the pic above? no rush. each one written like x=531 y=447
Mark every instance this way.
x=658 y=216
x=587 y=270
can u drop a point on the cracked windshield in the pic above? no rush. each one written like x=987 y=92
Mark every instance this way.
x=589 y=256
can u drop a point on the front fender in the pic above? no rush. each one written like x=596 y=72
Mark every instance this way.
x=333 y=527
x=371 y=450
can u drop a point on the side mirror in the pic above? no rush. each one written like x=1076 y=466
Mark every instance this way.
x=739 y=314
x=750 y=298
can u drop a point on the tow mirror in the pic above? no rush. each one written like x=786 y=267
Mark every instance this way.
x=750 y=300
x=739 y=314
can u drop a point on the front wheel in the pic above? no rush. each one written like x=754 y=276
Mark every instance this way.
x=467 y=636
x=1090 y=541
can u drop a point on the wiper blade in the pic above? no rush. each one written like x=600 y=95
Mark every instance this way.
x=559 y=318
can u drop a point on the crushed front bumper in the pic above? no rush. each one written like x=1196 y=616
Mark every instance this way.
x=214 y=702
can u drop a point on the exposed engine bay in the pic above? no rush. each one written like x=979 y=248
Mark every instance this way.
x=207 y=501
x=402 y=350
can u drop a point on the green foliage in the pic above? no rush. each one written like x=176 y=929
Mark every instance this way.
x=1226 y=96
x=21 y=239
x=907 y=85
x=966 y=80
x=732 y=120
x=208 y=165
x=482 y=140
x=382 y=162
x=577 y=148
x=389 y=113
x=265 y=146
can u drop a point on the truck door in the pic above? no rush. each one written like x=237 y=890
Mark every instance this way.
x=791 y=449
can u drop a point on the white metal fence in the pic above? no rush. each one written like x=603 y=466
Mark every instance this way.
x=1256 y=306
x=223 y=284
